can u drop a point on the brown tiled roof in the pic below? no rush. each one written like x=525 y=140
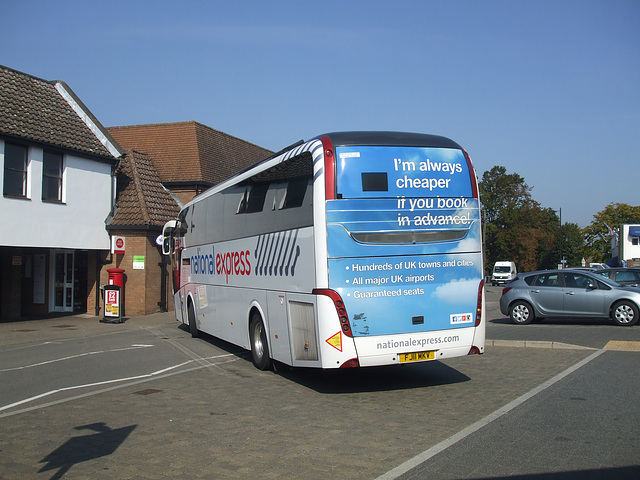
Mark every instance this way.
x=190 y=151
x=142 y=200
x=33 y=109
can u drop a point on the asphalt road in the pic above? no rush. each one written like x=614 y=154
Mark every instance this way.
x=83 y=399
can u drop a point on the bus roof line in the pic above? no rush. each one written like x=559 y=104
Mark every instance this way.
x=275 y=159
x=387 y=138
x=273 y=155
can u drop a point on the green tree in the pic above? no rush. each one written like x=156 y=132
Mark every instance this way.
x=572 y=246
x=512 y=219
x=548 y=234
x=604 y=224
x=517 y=228
x=502 y=193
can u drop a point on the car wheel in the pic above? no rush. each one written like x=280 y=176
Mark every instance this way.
x=625 y=313
x=259 y=345
x=521 y=313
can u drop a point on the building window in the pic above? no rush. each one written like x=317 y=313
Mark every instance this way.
x=15 y=170
x=52 y=177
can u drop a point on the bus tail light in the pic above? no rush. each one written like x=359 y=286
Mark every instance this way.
x=472 y=171
x=479 y=305
x=329 y=168
x=353 y=363
x=341 y=310
x=475 y=350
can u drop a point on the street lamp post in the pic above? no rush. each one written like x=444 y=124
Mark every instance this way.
x=561 y=237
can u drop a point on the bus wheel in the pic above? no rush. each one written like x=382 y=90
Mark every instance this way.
x=259 y=345
x=193 y=328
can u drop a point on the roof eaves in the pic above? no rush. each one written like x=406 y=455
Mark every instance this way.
x=109 y=159
x=87 y=117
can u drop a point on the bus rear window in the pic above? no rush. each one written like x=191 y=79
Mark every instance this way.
x=395 y=172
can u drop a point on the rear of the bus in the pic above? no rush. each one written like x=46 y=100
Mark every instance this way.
x=404 y=246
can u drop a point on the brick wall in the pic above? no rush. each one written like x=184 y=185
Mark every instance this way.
x=93 y=258
x=185 y=195
x=142 y=285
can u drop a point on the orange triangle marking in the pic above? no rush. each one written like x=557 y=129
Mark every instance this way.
x=335 y=341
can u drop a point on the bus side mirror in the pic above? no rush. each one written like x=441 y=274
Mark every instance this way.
x=166 y=245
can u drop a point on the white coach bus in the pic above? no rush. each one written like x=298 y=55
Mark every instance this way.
x=351 y=249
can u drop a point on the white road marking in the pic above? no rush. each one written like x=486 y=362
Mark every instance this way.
x=431 y=452
x=133 y=379
x=48 y=362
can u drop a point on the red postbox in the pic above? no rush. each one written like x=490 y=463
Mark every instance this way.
x=116 y=277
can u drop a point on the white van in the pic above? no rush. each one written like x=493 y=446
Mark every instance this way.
x=503 y=272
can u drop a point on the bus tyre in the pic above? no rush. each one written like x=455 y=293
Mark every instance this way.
x=625 y=313
x=259 y=345
x=193 y=328
x=521 y=313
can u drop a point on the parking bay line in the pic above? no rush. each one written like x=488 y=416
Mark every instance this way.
x=431 y=452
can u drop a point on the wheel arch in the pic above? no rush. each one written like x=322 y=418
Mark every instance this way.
x=193 y=325
x=255 y=307
x=617 y=302
x=258 y=336
x=614 y=305
x=191 y=302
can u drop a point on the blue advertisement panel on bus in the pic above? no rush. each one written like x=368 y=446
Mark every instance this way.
x=403 y=239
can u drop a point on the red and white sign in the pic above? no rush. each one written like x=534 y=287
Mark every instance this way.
x=112 y=303
x=117 y=245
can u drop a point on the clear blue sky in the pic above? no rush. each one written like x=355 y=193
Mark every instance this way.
x=548 y=89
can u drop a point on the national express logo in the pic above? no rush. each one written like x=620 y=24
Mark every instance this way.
x=229 y=263
x=276 y=254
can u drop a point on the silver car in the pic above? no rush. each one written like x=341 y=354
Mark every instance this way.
x=568 y=293
x=629 y=277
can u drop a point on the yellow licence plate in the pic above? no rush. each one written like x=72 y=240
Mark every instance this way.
x=417 y=356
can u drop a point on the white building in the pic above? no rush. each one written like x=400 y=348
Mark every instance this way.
x=627 y=247
x=58 y=189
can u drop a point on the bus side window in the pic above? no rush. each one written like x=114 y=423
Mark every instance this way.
x=294 y=194
x=198 y=223
x=242 y=207
x=257 y=195
x=219 y=209
x=181 y=225
x=252 y=201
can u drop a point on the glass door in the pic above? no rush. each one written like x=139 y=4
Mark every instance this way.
x=63 y=273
